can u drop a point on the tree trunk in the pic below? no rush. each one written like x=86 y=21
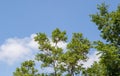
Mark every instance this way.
x=72 y=73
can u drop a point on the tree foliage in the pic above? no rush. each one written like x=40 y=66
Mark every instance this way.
x=62 y=61
x=26 y=69
x=77 y=51
x=109 y=25
x=50 y=52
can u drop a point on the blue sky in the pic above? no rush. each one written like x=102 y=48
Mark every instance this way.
x=21 y=19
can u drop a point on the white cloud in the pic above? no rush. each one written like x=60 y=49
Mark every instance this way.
x=60 y=44
x=92 y=58
x=17 y=49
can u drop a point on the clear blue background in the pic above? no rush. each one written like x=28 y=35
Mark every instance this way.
x=21 y=18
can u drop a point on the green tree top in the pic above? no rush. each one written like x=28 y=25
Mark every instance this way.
x=26 y=69
x=108 y=23
x=50 y=53
x=77 y=51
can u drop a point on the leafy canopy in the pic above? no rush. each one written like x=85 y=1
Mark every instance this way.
x=109 y=25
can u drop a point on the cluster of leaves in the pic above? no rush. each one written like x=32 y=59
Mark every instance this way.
x=109 y=25
x=62 y=61
x=77 y=51
x=50 y=53
x=26 y=69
